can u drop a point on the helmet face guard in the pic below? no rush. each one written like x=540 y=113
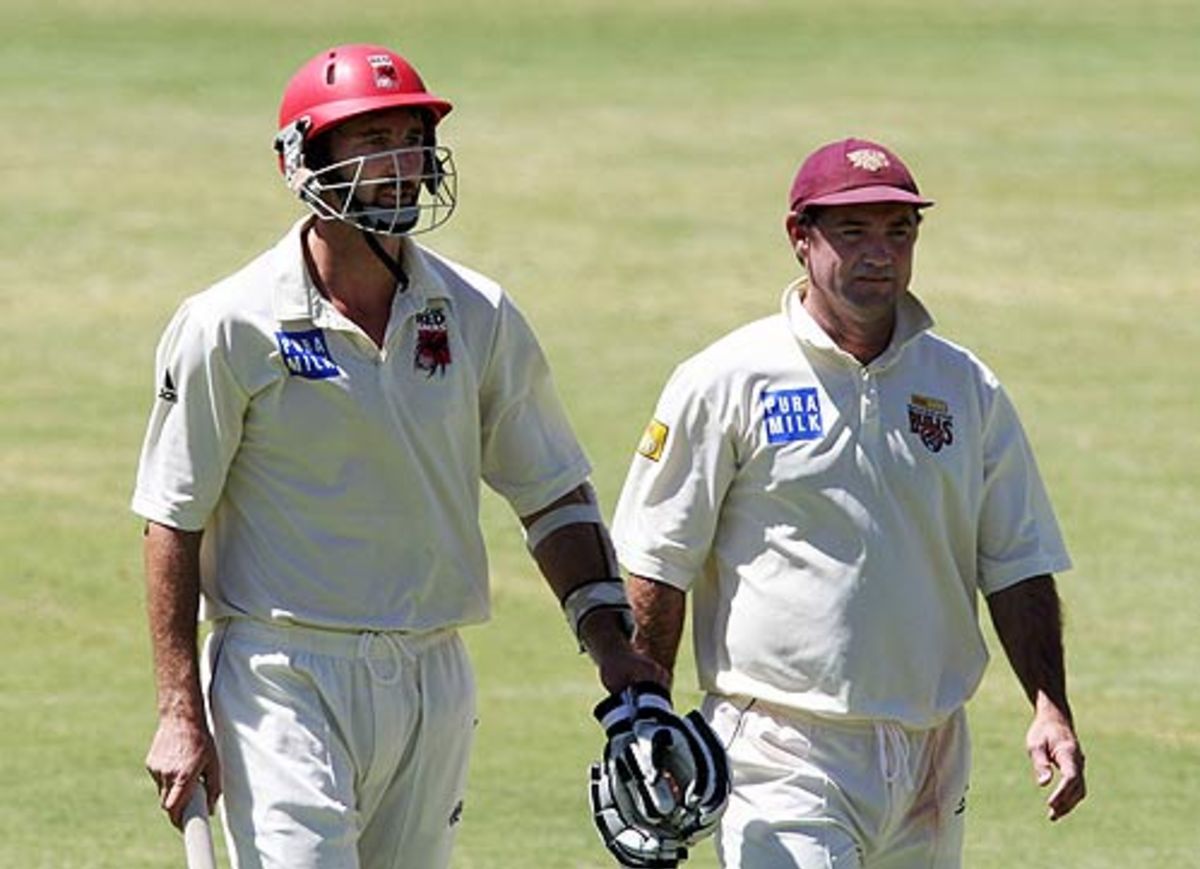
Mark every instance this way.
x=401 y=192
x=394 y=192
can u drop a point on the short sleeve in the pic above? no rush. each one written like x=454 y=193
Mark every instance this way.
x=666 y=516
x=195 y=424
x=530 y=455
x=1019 y=536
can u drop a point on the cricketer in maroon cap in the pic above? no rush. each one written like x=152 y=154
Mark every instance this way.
x=840 y=486
x=855 y=209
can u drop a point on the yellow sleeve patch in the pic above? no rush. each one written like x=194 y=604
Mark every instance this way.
x=654 y=439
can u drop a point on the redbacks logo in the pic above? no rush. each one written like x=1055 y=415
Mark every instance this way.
x=433 y=342
x=385 y=71
x=931 y=420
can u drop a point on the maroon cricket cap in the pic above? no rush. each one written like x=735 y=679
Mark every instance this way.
x=853 y=172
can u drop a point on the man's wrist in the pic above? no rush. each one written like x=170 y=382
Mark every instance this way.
x=605 y=633
x=1044 y=706
x=183 y=705
x=594 y=609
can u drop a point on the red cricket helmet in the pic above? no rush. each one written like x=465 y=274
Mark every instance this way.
x=342 y=83
x=350 y=80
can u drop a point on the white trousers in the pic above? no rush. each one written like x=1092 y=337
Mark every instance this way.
x=339 y=750
x=813 y=793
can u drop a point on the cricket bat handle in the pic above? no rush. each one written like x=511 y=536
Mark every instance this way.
x=197 y=835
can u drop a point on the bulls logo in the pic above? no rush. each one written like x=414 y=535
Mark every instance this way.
x=930 y=419
x=868 y=159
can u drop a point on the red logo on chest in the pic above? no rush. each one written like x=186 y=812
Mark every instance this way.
x=433 y=342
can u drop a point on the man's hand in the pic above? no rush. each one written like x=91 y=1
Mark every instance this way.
x=181 y=754
x=1052 y=745
x=619 y=665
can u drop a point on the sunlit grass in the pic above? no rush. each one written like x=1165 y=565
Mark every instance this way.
x=623 y=171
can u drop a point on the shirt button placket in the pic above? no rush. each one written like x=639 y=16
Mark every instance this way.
x=870 y=399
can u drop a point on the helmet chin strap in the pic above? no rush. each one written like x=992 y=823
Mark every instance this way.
x=392 y=264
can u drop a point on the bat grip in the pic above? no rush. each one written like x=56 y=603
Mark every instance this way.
x=197 y=835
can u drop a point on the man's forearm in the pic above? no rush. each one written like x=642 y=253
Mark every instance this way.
x=172 y=560
x=658 y=616
x=572 y=548
x=1028 y=620
x=577 y=552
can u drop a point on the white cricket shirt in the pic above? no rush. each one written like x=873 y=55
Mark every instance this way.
x=338 y=483
x=836 y=521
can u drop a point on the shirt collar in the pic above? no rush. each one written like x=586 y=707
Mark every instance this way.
x=296 y=296
x=912 y=319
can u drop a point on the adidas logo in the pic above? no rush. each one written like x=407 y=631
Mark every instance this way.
x=167 y=391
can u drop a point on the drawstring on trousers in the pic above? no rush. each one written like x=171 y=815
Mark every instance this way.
x=894 y=754
x=400 y=655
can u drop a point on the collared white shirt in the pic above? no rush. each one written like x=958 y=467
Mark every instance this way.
x=837 y=521
x=337 y=482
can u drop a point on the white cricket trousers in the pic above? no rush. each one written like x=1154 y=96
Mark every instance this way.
x=339 y=750
x=817 y=793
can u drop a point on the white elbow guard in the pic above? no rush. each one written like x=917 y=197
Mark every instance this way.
x=573 y=514
x=560 y=517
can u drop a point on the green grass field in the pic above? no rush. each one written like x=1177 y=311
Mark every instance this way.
x=623 y=172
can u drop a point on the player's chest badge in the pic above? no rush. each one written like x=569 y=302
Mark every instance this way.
x=791 y=415
x=432 y=353
x=930 y=419
x=306 y=354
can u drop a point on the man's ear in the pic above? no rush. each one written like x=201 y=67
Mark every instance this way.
x=797 y=232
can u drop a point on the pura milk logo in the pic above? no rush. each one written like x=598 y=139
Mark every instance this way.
x=791 y=415
x=307 y=355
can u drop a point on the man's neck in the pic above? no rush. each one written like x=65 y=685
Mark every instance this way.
x=347 y=269
x=865 y=335
x=350 y=275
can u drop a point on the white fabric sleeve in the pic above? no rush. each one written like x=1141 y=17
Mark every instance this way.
x=1019 y=536
x=667 y=514
x=195 y=425
x=530 y=455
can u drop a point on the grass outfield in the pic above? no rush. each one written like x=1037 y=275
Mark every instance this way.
x=623 y=170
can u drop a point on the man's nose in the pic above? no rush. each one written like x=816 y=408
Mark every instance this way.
x=409 y=163
x=878 y=252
